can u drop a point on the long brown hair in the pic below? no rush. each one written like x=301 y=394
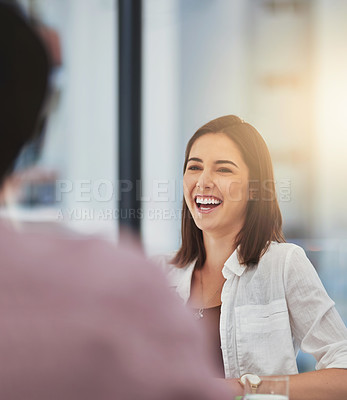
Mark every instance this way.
x=263 y=222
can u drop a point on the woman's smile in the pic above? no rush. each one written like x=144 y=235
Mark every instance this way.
x=207 y=204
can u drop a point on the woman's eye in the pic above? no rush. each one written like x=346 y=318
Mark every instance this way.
x=194 y=168
x=224 y=170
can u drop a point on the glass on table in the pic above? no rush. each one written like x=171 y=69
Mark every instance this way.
x=271 y=388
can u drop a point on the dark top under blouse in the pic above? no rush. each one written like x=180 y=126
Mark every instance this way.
x=210 y=323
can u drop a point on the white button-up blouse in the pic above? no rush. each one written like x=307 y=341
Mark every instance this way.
x=271 y=310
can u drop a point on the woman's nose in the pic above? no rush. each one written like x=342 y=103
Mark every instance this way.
x=205 y=181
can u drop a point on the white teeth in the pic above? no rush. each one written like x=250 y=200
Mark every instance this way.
x=207 y=200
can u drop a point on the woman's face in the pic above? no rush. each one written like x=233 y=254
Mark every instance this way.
x=215 y=184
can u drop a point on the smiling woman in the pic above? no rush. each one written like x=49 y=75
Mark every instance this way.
x=258 y=298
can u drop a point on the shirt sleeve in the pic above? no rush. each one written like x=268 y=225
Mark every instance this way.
x=316 y=325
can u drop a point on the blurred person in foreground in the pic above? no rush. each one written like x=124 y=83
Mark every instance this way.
x=80 y=319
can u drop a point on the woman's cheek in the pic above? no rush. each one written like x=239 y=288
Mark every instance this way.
x=234 y=191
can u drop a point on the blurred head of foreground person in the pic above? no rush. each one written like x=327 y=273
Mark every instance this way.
x=80 y=319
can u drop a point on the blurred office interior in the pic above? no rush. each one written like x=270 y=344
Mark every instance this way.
x=279 y=64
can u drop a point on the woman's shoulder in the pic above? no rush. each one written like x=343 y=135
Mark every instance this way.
x=283 y=249
x=288 y=255
x=284 y=254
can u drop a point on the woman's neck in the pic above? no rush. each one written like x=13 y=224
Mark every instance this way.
x=218 y=250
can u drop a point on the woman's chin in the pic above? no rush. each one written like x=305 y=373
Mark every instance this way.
x=206 y=226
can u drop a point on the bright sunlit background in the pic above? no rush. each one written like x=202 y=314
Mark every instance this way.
x=279 y=64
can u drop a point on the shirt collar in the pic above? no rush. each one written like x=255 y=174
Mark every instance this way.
x=233 y=265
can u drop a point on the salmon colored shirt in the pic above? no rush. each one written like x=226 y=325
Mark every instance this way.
x=82 y=319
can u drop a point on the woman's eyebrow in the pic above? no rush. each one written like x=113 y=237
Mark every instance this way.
x=226 y=162
x=216 y=162
x=195 y=159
